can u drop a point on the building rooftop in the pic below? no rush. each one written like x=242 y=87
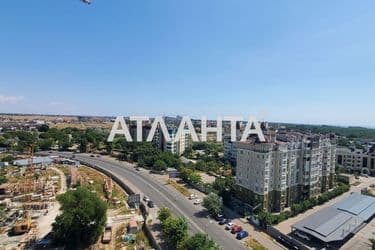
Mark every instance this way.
x=36 y=160
x=336 y=222
x=132 y=223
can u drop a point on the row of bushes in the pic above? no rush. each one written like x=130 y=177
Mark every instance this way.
x=267 y=218
x=307 y=204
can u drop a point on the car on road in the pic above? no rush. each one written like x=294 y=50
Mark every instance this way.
x=151 y=204
x=229 y=226
x=241 y=235
x=92 y=155
x=137 y=168
x=236 y=229
x=146 y=199
x=197 y=201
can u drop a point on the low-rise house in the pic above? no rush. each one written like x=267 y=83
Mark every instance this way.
x=132 y=227
x=36 y=161
x=4 y=164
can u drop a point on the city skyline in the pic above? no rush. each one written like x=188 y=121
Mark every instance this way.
x=286 y=62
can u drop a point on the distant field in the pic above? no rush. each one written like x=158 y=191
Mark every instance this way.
x=82 y=125
x=21 y=117
x=60 y=122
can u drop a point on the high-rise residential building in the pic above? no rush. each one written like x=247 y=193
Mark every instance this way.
x=357 y=160
x=177 y=146
x=286 y=169
x=230 y=150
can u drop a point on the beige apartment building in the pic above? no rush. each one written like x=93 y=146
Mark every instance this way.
x=357 y=160
x=286 y=169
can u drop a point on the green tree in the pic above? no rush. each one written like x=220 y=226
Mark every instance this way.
x=43 y=128
x=45 y=144
x=3 y=142
x=190 y=176
x=83 y=145
x=163 y=214
x=212 y=203
x=160 y=165
x=8 y=158
x=82 y=220
x=200 y=241
x=224 y=187
x=372 y=243
x=3 y=178
x=25 y=140
x=175 y=231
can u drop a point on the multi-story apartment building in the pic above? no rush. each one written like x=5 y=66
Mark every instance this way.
x=230 y=147
x=230 y=150
x=177 y=147
x=286 y=169
x=357 y=160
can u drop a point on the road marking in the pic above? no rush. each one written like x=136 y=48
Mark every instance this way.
x=153 y=187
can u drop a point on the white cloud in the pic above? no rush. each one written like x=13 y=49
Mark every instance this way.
x=10 y=99
x=55 y=103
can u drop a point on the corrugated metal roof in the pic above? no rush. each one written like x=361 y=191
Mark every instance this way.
x=335 y=223
x=358 y=204
x=36 y=160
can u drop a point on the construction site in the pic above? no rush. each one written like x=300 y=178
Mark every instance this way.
x=29 y=206
x=28 y=200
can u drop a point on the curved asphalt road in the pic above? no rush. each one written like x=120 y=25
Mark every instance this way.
x=165 y=197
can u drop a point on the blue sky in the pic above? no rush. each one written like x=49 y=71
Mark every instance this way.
x=292 y=61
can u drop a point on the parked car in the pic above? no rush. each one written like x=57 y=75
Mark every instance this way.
x=229 y=226
x=224 y=221
x=107 y=235
x=242 y=234
x=302 y=235
x=236 y=229
x=197 y=201
x=151 y=204
x=146 y=199
x=137 y=168
x=193 y=196
x=219 y=217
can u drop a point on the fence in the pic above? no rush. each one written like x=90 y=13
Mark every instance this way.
x=286 y=240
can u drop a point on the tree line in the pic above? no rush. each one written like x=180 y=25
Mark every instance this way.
x=175 y=232
x=267 y=218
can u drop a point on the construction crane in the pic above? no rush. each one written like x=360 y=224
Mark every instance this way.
x=31 y=158
x=86 y=1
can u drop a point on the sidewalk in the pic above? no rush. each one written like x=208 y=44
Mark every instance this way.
x=264 y=239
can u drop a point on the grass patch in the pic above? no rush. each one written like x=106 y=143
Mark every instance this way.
x=98 y=182
x=183 y=190
x=64 y=169
x=119 y=236
x=254 y=244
